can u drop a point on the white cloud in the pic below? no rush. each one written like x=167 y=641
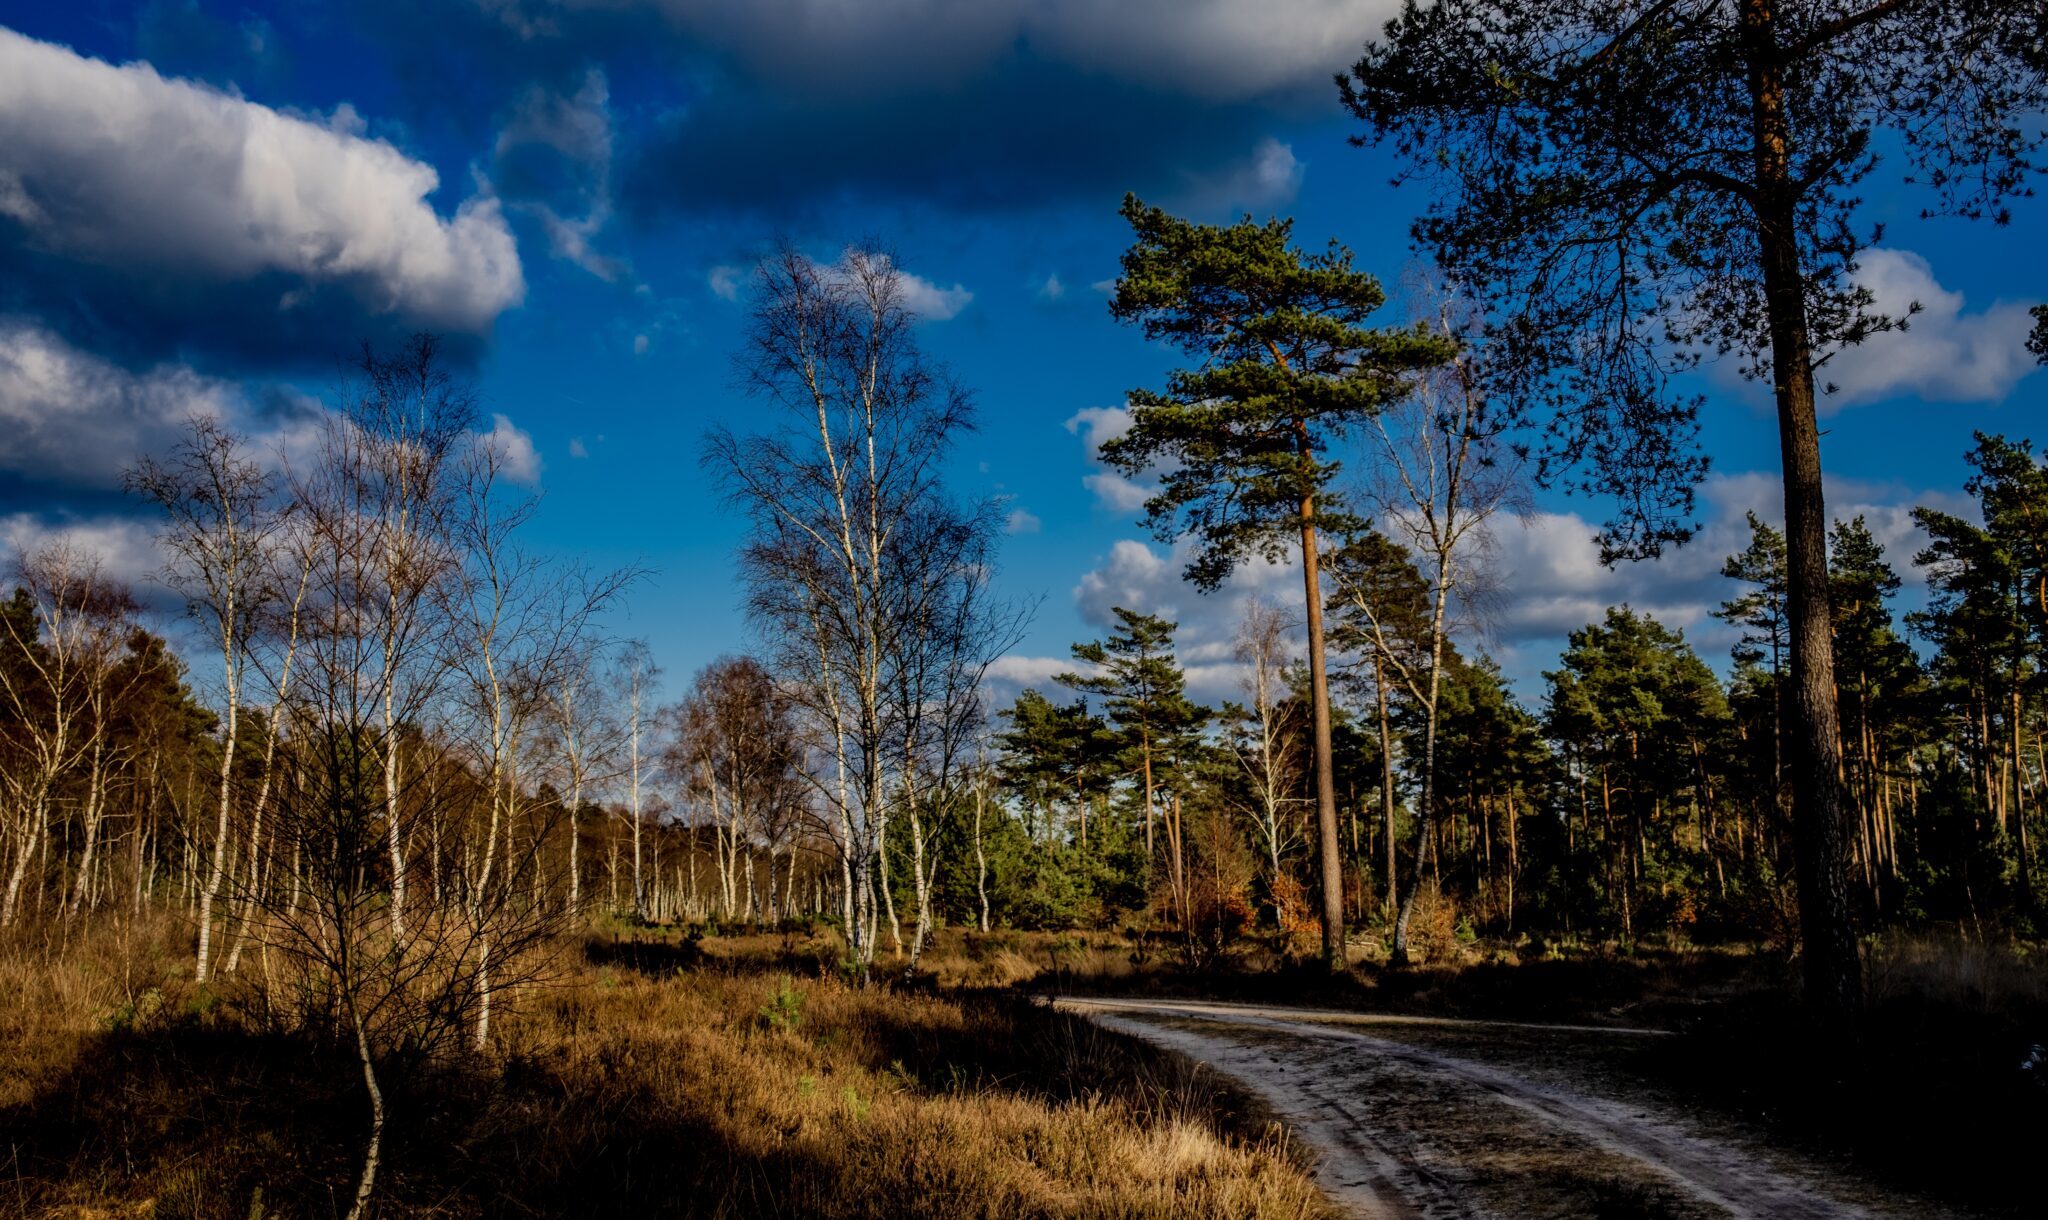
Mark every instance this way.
x=1943 y=355
x=577 y=449
x=1270 y=176
x=1140 y=577
x=1217 y=48
x=1052 y=289
x=639 y=345
x=1020 y=671
x=1022 y=522
x=1112 y=489
x=569 y=239
x=724 y=282
x=518 y=458
x=932 y=303
x=121 y=167
x=1553 y=582
x=919 y=296
x=75 y=421
x=577 y=129
x=126 y=546
x=1097 y=425
x=578 y=126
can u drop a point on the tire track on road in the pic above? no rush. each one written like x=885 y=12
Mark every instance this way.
x=1375 y=1171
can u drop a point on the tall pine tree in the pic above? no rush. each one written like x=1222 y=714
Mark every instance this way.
x=1285 y=365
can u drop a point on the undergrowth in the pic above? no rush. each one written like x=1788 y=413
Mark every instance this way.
x=633 y=1084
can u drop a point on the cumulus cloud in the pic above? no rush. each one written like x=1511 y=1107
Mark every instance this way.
x=73 y=421
x=1944 y=354
x=918 y=295
x=152 y=197
x=1546 y=564
x=126 y=546
x=797 y=101
x=1268 y=177
x=1017 y=672
x=640 y=345
x=1098 y=425
x=518 y=457
x=1117 y=492
x=1145 y=578
x=1112 y=489
x=932 y=303
x=724 y=282
x=1554 y=583
x=1052 y=289
x=1022 y=522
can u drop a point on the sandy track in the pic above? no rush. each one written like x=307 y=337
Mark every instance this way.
x=1406 y=1130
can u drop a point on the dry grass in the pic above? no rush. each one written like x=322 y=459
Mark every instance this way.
x=62 y=985
x=1989 y=977
x=627 y=1087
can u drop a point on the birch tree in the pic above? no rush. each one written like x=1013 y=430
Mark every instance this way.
x=1444 y=469
x=1265 y=740
x=633 y=677
x=221 y=515
x=393 y=463
x=63 y=645
x=952 y=628
x=867 y=421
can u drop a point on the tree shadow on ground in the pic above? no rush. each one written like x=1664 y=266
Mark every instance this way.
x=215 y=1123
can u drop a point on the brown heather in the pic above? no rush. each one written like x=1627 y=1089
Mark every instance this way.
x=632 y=1087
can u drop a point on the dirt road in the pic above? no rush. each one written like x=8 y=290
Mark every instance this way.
x=1421 y=1117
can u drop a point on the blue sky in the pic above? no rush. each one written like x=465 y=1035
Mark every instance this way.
x=206 y=204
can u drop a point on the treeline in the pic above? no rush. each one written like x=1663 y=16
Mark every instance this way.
x=421 y=759
x=1639 y=795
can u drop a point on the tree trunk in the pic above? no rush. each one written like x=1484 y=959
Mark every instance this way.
x=1833 y=972
x=1145 y=747
x=374 y=1151
x=980 y=860
x=1426 y=804
x=220 y=838
x=1328 y=846
x=889 y=891
x=2019 y=800
x=1379 y=682
x=393 y=823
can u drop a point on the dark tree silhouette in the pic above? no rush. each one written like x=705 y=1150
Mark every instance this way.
x=1636 y=184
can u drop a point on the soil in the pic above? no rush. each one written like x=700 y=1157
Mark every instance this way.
x=1441 y=1117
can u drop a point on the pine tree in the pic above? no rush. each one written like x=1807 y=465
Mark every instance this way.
x=1143 y=692
x=1877 y=680
x=1382 y=616
x=1056 y=755
x=1285 y=365
x=1760 y=612
x=1632 y=185
x=1637 y=709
